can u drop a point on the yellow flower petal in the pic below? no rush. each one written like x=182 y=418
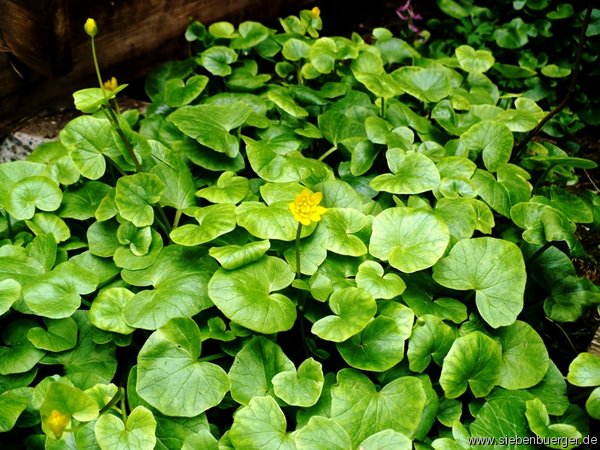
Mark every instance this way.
x=305 y=207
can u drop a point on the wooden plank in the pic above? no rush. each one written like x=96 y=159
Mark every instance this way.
x=134 y=36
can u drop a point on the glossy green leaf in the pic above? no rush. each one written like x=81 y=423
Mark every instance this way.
x=180 y=93
x=539 y=422
x=69 y=401
x=371 y=278
x=210 y=125
x=91 y=100
x=498 y=279
x=300 y=387
x=134 y=196
x=49 y=224
x=592 y=404
x=61 y=335
x=322 y=54
x=231 y=257
x=261 y=426
x=378 y=347
x=414 y=173
x=362 y=410
x=397 y=237
x=12 y=403
x=474 y=360
x=287 y=103
x=203 y=439
x=474 y=61
x=268 y=222
x=552 y=390
x=353 y=308
x=339 y=225
x=584 y=370
x=431 y=338
x=217 y=60
x=509 y=189
x=425 y=84
x=228 y=189
x=137 y=432
x=295 y=49
x=322 y=433
x=173 y=171
x=254 y=368
x=18 y=355
x=525 y=359
x=493 y=140
x=213 y=221
x=106 y=312
x=313 y=251
x=82 y=202
x=10 y=292
x=386 y=439
x=170 y=376
x=30 y=193
x=248 y=295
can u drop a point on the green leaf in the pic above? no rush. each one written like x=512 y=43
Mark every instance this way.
x=414 y=173
x=91 y=100
x=217 y=60
x=106 y=312
x=431 y=338
x=203 y=439
x=10 y=292
x=510 y=188
x=30 y=193
x=378 y=347
x=179 y=93
x=339 y=225
x=539 y=422
x=19 y=355
x=554 y=71
x=295 y=49
x=397 y=237
x=302 y=387
x=210 y=125
x=498 y=279
x=248 y=295
x=12 y=403
x=322 y=433
x=361 y=410
x=260 y=426
x=474 y=360
x=134 y=196
x=371 y=278
x=474 y=61
x=229 y=189
x=49 y=224
x=353 y=309
x=493 y=140
x=552 y=390
x=592 y=404
x=60 y=336
x=173 y=171
x=233 y=256
x=425 y=84
x=137 y=432
x=222 y=29
x=513 y=34
x=254 y=368
x=286 y=102
x=386 y=439
x=213 y=221
x=269 y=222
x=584 y=370
x=525 y=359
x=82 y=202
x=170 y=376
x=251 y=34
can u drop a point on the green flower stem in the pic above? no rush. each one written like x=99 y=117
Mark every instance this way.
x=382 y=108
x=176 y=219
x=301 y=297
x=328 y=152
x=212 y=357
x=96 y=66
x=9 y=226
x=164 y=219
x=119 y=395
x=298 y=233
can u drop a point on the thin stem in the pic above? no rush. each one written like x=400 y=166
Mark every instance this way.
x=298 y=233
x=96 y=66
x=176 y=219
x=123 y=407
x=382 y=107
x=566 y=336
x=328 y=152
x=164 y=218
x=212 y=357
x=572 y=84
x=591 y=181
x=301 y=297
x=9 y=227
x=113 y=401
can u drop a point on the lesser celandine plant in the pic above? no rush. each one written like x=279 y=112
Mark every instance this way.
x=305 y=242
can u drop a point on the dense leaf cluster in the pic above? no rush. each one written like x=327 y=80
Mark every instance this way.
x=149 y=283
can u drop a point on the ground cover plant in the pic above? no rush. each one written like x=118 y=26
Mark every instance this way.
x=304 y=242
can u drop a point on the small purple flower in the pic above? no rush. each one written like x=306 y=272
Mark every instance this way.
x=406 y=13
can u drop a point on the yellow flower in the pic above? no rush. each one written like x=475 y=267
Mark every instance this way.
x=315 y=12
x=305 y=207
x=90 y=27
x=57 y=422
x=111 y=85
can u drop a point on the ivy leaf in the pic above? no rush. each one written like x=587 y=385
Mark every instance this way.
x=213 y=221
x=210 y=125
x=302 y=387
x=525 y=359
x=353 y=308
x=371 y=278
x=248 y=295
x=397 y=236
x=322 y=432
x=134 y=196
x=378 y=347
x=255 y=367
x=474 y=359
x=171 y=378
x=61 y=335
x=260 y=426
x=138 y=432
x=499 y=278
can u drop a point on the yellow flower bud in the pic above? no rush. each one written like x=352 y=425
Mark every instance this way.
x=57 y=422
x=90 y=27
x=315 y=12
x=111 y=85
x=305 y=207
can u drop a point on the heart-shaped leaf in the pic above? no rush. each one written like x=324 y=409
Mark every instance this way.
x=135 y=195
x=425 y=84
x=431 y=338
x=179 y=93
x=493 y=140
x=61 y=335
x=213 y=221
x=171 y=378
x=302 y=387
x=217 y=60
x=12 y=403
x=248 y=295
x=539 y=422
x=106 y=312
x=371 y=278
x=498 y=279
x=233 y=256
x=10 y=292
x=229 y=189
x=413 y=173
x=474 y=61
x=322 y=432
x=30 y=193
x=139 y=431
